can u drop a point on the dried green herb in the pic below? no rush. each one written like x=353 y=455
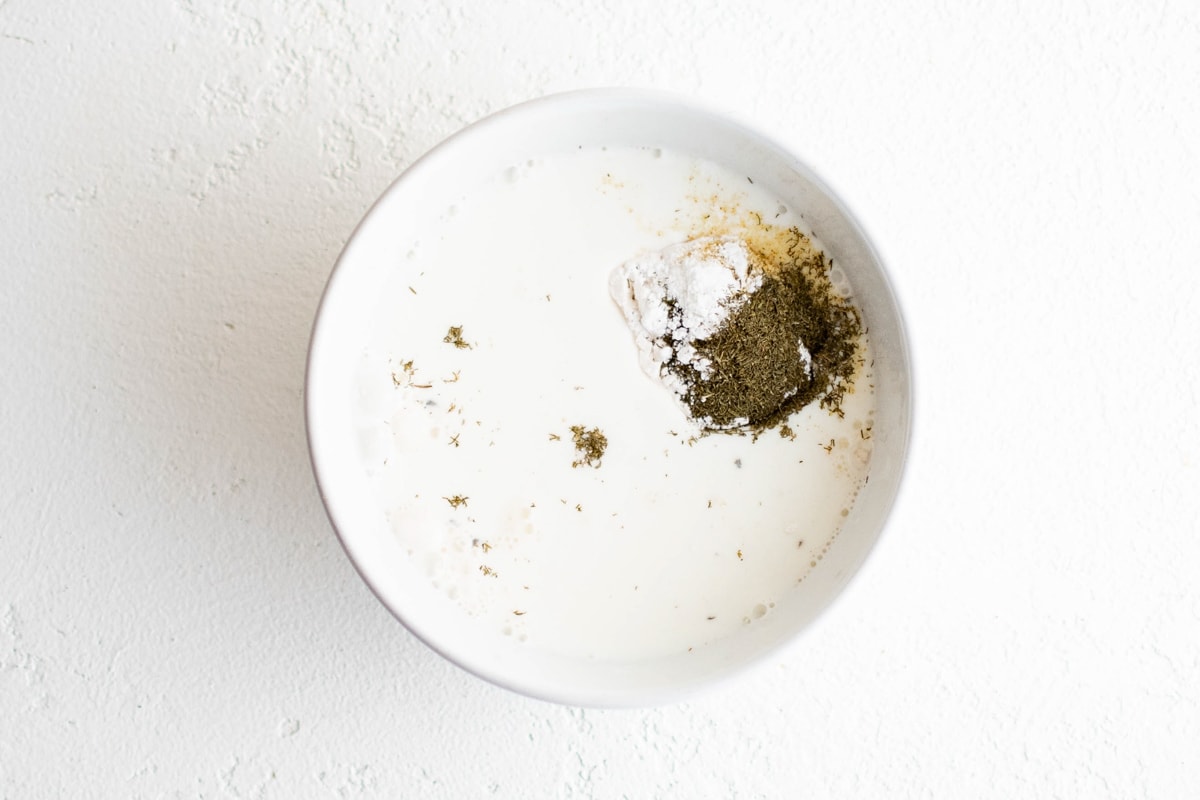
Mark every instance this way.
x=454 y=336
x=590 y=445
x=409 y=370
x=758 y=375
x=456 y=501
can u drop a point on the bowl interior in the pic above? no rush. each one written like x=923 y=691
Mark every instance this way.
x=557 y=125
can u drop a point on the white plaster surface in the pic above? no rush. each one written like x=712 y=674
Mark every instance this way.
x=177 y=619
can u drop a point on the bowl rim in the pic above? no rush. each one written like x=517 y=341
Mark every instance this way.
x=639 y=697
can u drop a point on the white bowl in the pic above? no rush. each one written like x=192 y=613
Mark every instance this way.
x=551 y=125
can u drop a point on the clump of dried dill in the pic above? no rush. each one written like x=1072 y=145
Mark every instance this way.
x=589 y=445
x=792 y=342
x=454 y=336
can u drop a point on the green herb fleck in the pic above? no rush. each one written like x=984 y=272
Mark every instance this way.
x=454 y=336
x=590 y=445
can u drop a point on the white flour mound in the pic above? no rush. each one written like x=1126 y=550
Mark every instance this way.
x=680 y=294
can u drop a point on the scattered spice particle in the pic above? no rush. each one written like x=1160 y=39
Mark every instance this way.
x=454 y=336
x=519 y=613
x=786 y=432
x=740 y=555
x=865 y=433
x=411 y=289
x=456 y=501
x=554 y=437
x=737 y=462
x=485 y=546
x=828 y=448
x=421 y=385
x=590 y=445
x=407 y=368
x=486 y=570
x=453 y=378
x=547 y=298
x=452 y=407
x=710 y=503
x=712 y=617
x=454 y=439
x=578 y=507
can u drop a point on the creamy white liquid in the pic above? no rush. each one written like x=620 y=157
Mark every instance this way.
x=673 y=542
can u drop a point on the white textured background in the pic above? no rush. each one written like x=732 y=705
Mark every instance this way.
x=176 y=616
